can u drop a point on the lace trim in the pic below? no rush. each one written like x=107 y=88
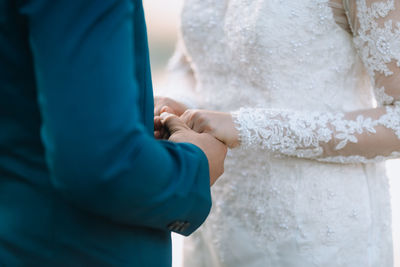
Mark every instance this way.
x=301 y=134
x=391 y=119
x=377 y=45
x=383 y=98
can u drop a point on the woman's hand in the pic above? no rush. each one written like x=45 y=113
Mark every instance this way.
x=166 y=104
x=218 y=124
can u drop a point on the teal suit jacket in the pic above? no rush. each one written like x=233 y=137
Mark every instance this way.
x=82 y=180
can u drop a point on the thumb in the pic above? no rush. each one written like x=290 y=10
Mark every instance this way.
x=173 y=123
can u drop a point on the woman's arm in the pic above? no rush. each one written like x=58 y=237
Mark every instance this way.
x=360 y=136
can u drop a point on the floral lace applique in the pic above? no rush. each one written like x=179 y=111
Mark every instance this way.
x=383 y=98
x=301 y=134
x=378 y=45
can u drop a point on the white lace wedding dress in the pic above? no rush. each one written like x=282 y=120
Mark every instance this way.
x=313 y=86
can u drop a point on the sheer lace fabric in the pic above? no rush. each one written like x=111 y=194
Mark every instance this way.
x=313 y=134
x=335 y=136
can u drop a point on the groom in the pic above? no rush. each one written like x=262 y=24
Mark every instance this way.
x=82 y=180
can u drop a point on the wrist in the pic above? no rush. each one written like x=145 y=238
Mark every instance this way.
x=233 y=138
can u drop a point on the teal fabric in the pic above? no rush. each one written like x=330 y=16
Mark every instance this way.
x=82 y=180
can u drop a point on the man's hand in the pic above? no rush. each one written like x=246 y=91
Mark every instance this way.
x=160 y=131
x=218 y=124
x=174 y=107
x=214 y=149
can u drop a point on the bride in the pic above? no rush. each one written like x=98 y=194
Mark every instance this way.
x=309 y=93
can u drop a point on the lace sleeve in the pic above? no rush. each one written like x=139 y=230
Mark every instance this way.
x=180 y=80
x=359 y=136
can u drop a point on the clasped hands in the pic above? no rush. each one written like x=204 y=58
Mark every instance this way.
x=213 y=132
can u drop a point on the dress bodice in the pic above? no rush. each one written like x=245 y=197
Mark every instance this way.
x=275 y=53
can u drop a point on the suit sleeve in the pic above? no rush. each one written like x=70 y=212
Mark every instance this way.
x=100 y=156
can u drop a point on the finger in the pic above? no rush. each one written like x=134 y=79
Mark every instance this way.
x=157 y=135
x=157 y=123
x=172 y=123
x=159 y=127
x=157 y=110
x=167 y=109
x=187 y=118
x=165 y=135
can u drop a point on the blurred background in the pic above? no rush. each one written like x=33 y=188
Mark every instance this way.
x=163 y=23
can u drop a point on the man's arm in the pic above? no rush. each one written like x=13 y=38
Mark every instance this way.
x=100 y=156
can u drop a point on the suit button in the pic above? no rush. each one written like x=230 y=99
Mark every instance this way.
x=178 y=226
x=184 y=227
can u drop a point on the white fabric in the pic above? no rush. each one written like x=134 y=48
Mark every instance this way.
x=328 y=136
x=299 y=85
